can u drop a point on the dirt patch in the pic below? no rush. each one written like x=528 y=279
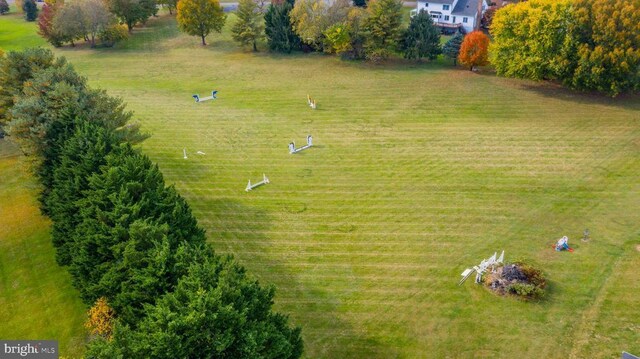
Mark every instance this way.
x=638 y=247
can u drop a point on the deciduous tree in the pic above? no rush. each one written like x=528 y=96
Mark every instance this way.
x=101 y=319
x=602 y=49
x=112 y=34
x=422 y=38
x=473 y=51
x=132 y=12
x=249 y=26
x=70 y=22
x=200 y=17
x=382 y=28
x=528 y=38
x=97 y=18
x=311 y=18
x=45 y=24
x=171 y=5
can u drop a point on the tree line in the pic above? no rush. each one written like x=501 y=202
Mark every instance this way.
x=590 y=45
x=131 y=243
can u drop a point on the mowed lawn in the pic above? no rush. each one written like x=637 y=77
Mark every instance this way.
x=417 y=172
x=37 y=300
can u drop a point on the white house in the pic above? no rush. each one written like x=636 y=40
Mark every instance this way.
x=453 y=14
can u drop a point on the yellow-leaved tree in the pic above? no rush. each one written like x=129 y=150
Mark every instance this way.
x=200 y=17
x=101 y=319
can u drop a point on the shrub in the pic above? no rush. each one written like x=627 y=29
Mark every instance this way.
x=113 y=34
x=525 y=290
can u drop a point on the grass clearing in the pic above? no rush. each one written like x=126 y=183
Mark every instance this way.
x=16 y=33
x=37 y=300
x=419 y=171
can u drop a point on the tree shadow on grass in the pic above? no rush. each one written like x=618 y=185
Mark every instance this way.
x=557 y=91
x=241 y=230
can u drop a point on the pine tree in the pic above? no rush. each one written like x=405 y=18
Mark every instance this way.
x=249 y=27
x=15 y=69
x=280 y=35
x=360 y=3
x=82 y=155
x=4 y=7
x=422 y=38
x=130 y=226
x=451 y=48
x=234 y=320
x=30 y=10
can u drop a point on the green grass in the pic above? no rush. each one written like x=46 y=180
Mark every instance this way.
x=419 y=171
x=37 y=300
x=16 y=33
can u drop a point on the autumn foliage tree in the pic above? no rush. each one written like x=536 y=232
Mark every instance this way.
x=45 y=24
x=528 y=38
x=602 y=53
x=474 y=50
x=101 y=319
x=382 y=28
x=200 y=17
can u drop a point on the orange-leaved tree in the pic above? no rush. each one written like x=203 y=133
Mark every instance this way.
x=474 y=50
x=101 y=319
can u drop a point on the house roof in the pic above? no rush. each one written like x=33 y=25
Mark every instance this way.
x=438 y=1
x=466 y=8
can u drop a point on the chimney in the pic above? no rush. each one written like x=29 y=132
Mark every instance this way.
x=479 y=18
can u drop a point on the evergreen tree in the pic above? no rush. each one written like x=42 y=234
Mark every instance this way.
x=233 y=320
x=4 y=7
x=82 y=155
x=360 y=3
x=280 y=35
x=15 y=69
x=30 y=10
x=422 y=38
x=249 y=27
x=109 y=251
x=451 y=48
x=382 y=28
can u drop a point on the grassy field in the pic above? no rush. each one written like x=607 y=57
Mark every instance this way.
x=16 y=33
x=418 y=172
x=37 y=300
